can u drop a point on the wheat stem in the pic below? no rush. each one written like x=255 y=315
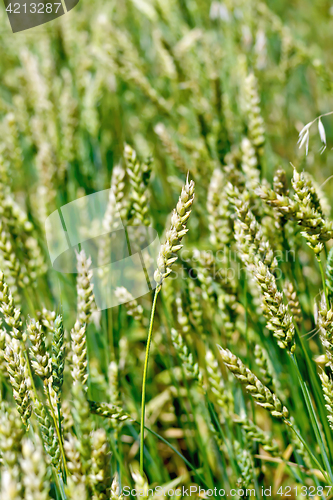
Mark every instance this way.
x=144 y=380
x=314 y=421
x=62 y=451
x=323 y=279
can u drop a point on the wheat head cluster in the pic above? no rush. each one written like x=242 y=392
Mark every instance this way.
x=189 y=111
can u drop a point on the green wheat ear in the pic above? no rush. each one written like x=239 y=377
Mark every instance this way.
x=260 y=393
x=58 y=355
x=167 y=255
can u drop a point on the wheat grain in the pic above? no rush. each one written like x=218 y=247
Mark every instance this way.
x=167 y=255
x=260 y=393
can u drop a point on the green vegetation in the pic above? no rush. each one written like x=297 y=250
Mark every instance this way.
x=222 y=376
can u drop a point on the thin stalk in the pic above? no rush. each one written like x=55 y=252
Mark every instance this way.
x=323 y=279
x=314 y=420
x=316 y=389
x=144 y=380
x=314 y=459
x=247 y=339
x=199 y=440
x=169 y=365
x=313 y=378
x=201 y=479
x=58 y=482
x=62 y=451
x=218 y=425
x=59 y=419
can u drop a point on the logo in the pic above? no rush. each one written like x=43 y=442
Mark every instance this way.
x=25 y=14
x=121 y=255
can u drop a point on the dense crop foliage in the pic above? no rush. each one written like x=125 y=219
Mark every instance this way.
x=190 y=111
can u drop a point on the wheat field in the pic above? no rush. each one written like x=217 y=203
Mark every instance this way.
x=209 y=124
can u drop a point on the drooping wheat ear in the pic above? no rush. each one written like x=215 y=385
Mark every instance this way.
x=279 y=321
x=219 y=217
x=325 y=323
x=305 y=208
x=48 y=433
x=293 y=302
x=182 y=317
x=12 y=315
x=262 y=361
x=245 y=464
x=83 y=422
x=260 y=393
x=327 y=384
x=16 y=366
x=192 y=370
x=99 y=474
x=254 y=433
x=58 y=356
x=217 y=387
x=139 y=175
x=255 y=120
x=84 y=287
x=250 y=164
x=41 y=362
x=79 y=354
x=36 y=485
x=329 y=275
x=108 y=411
x=133 y=308
x=167 y=255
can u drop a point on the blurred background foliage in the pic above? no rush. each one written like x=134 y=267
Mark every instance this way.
x=170 y=79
